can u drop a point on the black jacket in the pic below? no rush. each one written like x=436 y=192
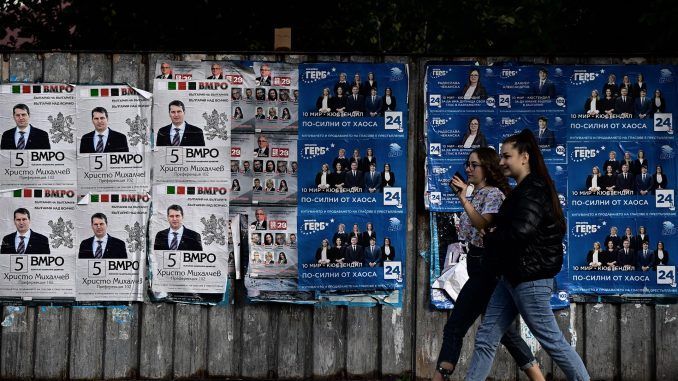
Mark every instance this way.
x=527 y=242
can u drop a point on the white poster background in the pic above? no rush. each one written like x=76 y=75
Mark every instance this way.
x=112 y=279
x=129 y=114
x=39 y=275
x=52 y=110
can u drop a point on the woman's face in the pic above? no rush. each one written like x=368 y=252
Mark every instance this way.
x=326 y=92
x=369 y=152
x=271 y=94
x=513 y=163
x=356 y=228
x=659 y=169
x=269 y=166
x=268 y=239
x=474 y=171
x=388 y=91
x=369 y=226
x=387 y=167
x=387 y=241
x=473 y=76
x=324 y=243
x=595 y=170
x=641 y=230
x=340 y=91
x=473 y=125
x=356 y=153
x=337 y=241
x=326 y=168
x=609 y=169
x=660 y=245
x=596 y=246
x=610 y=245
x=657 y=93
x=627 y=231
x=608 y=93
x=594 y=94
x=641 y=154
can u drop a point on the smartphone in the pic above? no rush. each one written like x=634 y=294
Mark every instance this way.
x=459 y=175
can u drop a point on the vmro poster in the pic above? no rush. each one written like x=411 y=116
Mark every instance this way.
x=38 y=135
x=113 y=125
x=37 y=257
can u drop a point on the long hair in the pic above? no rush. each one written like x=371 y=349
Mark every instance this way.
x=525 y=142
x=489 y=161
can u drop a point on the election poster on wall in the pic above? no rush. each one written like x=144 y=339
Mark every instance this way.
x=351 y=249
x=37 y=257
x=192 y=131
x=189 y=252
x=532 y=89
x=113 y=125
x=627 y=100
x=276 y=97
x=238 y=239
x=38 y=135
x=274 y=169
x=463 y=89
x=345 y=99
x=273 y=242
x=111 y=234
x=242 y=173
x=350 y=172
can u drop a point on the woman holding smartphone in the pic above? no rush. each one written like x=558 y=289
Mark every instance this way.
x=489 y=190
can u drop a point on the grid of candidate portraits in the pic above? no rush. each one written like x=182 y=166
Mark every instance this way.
x=352 y=191
x=608 y=127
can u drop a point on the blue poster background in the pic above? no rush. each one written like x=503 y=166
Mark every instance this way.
x=447 y=85
x=520 y=89
x=315 y=225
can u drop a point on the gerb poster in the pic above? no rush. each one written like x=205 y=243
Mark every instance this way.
x=38 y=135
x=342 y=100
x=113 y=126
x=464 y=89
x=532 y=89
x=189 y=232
x=351 y=249
x=349 y=172
x=37 y=257
x=192 y=131
x=111 y=235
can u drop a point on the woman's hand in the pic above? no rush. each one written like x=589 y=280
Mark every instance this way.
x=457 y=183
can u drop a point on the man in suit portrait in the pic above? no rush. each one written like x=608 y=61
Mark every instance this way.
x=545 y=137
x=106 y=140
x=354 y=179
x=623 y=105
x=24 y=240
x=262 y=147
x=177 y=236
x=373 y=103
x=24 y=135
x=101 y=245
x=165 y=71
x=626 y=256
x=645 y=258
x=179 y=133
x=372 y=254
x=544 y=86
x=373 y=179
x=643 y=105
x=264 y=78
x=355 y=103
x=216 y=72
x=644 y=181
x=625 y=180
x=354 y=252
x=260 y=222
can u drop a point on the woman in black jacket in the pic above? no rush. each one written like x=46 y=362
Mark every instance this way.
x=527 y=244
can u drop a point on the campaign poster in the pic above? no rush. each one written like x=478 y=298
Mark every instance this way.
x=440 y=172
x=620 y=174
x=532 y=89
x=191 y=131
x=113 y=125
x=350 y=99
x=461 y=88
x=238 y=239
x=189 y=252
x=622 y=253
x=550 y=131
x=456 y=135
x=111 y=236
x=240 y=76
x=351 y=249
x=180 y=70
x=273 y=242
x=274 y=169
x=276 y=97
x=630 y=100
x=350 y=172
x=242 y=173
x=41 y=265
x=38 y=135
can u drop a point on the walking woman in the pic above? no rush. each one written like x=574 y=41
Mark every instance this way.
x=526 y=241
x=489 y=189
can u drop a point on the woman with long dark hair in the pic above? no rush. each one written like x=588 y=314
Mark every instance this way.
x=489 y=190
x=527 y=244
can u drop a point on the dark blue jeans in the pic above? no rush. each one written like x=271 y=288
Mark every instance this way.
x=471 y=302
